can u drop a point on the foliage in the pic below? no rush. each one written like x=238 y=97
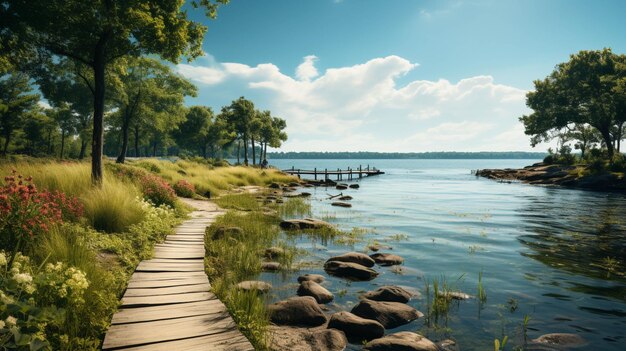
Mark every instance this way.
x=16 y=102
x=113 y=208
x=184 y=188
x=26 y=212
x=157 y=190
x=585 y=91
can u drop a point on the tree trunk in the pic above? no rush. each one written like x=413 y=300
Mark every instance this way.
x=49 y=141
x=83 y=148
x=245 y=149
x=606 y=135
x=7 y=140
x=154 y=148
x=125 y=125
x=238 y=151
x=253 y=150
x=98 y=113
x=265 y=151
x=204 y=151
x=137 y=151
x=62 y=143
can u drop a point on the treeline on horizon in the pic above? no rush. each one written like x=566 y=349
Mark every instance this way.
x=408 y=155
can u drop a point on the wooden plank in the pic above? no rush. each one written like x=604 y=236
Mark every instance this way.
x=181 y=289
x=228 y=341
x=153 y=313
x=165 y=276
x=135 y=334
x=169 y=267
x=172 y=254
x=166 y=299
x=139 y=284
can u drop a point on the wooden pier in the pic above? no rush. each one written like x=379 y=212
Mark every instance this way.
x=345 y=174
x=168 y=305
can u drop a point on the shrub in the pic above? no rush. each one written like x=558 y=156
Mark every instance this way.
x=549 y=159
x=618 y=163
x=113 y=207
x=184 y=188
x=157 y=190
x=26 y=212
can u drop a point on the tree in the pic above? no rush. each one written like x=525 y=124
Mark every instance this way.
x=148 y=89
x=239 y=115
x=66 y=121
x=584 y=90
x=96 y=33
x=585 y=138
x=16 y=102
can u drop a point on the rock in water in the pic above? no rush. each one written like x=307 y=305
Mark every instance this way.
x=297 y=311
x=355 y=257
x=318 y=292
x=354 y=186
x=385 y=259
x=455 y=295
x=340 y=204
x=355 y=327
x=389 y=314
x=350 y=270
x=256 y=285
x=270 y=266
x=402 y=341
x=274 y=252
x=341 y=187
x=345 y=198
x=305 y=339
x=562 y=340
x=388 y=293
x=318 y=278
x=306 y=223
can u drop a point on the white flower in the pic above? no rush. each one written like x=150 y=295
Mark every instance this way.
x=3 y=259
x=11 y=321
x=23 y=278
x=1 y=324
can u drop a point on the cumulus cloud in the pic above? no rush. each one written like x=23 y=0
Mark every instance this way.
x=362 y=107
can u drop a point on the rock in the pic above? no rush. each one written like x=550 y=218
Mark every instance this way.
x=389 y=314
x=305 y=339
x=562 y=340
x=354 y=186
x=274 y=252
x=455 y=295
x=402 y=341
x=250 y=285
x=297 y=311
x=341 y=187
x=221 y=232
x=313 y=289
x=377 y=247
x=345 y=198
x=447 y=345
x=274 y=186
x=350 y=270
x=289 y=189
x=355 y=327
x=306 y=223
x=302 y=194
x=388 y=293
x=270 y=266
x=385 y=259
x=341 y=204
x=318 y=278
x=294 y=184
x=355 y=257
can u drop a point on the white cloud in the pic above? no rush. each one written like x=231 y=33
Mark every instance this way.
x=362 y=107
x=307 y=71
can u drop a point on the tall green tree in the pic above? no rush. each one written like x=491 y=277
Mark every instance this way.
x=148 y=92
x=17 y=100
x=239 y=115
x=96 y=33
x=584 y=90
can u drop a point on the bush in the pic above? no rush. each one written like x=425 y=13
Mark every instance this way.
x=113 y=207
x=618 y=163
x=157 y=190
x=549 y=159
x=184 y=188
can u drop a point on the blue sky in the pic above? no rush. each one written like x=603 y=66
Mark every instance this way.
x=396 y=75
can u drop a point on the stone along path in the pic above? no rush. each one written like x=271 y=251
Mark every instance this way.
x=167 y=305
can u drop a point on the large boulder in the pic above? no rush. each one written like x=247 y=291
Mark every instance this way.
x=387 y=259
x=402 y=341
x=389 y=314
x=254 y=285
x=350 y=270
x=305 y=223
x=318 y=278
x=305 y=339
x=313 y=289
x=355 y=327
x=388 y=293
x=355 y=257
x=297 y=311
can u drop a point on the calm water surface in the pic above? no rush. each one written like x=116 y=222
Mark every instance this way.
x=555 y=255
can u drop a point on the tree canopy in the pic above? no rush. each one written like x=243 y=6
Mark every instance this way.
x=588 y=90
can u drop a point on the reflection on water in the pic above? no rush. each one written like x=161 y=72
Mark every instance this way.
x=554 y=255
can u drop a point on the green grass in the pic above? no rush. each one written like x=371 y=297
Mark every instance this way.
x=295 y=207
x=114 y=207
x=241 y=202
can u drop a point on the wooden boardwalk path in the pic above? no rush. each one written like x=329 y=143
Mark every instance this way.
x=167 y=305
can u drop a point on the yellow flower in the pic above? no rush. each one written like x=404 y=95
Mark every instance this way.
x=11 y=321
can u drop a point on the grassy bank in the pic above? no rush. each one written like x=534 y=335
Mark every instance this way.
x=67 y=249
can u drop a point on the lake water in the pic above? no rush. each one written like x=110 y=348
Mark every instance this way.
x=555 y=255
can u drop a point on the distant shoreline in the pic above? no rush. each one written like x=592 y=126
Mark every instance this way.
x=445 y=155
